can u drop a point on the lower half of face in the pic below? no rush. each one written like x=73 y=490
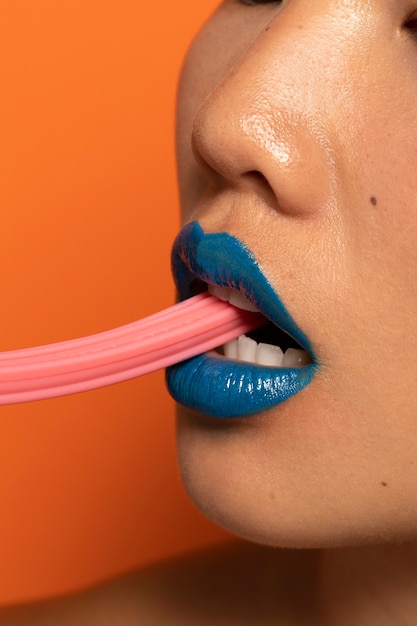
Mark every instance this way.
x=310 y=168
x=335 y=462
x=318 y=471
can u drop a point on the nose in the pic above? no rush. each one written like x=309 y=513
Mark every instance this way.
x=277 y=121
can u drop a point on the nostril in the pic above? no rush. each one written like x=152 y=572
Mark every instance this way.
x=256 y=178
x=411 y=25
x=259 y=176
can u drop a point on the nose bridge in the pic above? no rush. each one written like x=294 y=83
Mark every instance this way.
x=279 y=111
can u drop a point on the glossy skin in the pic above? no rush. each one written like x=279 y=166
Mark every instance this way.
x=304 y=132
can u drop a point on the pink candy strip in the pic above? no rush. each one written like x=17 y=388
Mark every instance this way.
x=177 y=333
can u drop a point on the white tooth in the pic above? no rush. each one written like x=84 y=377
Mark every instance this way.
x=233 y=296
x=230 y=349
x=222 y=293
x=266 y=354
x=246 y=349
x=238 y=299
x=295 y=358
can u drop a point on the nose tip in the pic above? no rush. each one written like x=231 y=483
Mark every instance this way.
x=266 y=121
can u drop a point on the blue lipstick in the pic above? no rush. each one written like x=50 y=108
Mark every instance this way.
x=214 y=385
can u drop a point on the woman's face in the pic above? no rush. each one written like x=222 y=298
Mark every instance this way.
x=297 y=135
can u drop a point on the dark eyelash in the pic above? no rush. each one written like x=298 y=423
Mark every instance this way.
x=254 y=3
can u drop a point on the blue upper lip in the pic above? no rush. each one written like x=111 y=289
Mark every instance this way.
x=221 y=259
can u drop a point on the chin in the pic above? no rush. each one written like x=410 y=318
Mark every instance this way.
x=229 y=474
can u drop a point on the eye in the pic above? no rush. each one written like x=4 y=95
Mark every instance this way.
x=254 y=3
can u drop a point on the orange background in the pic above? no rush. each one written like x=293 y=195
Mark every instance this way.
x=88 y=483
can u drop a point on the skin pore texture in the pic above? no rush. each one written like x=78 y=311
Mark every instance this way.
x=304 y=147
x=297 y=135
x=298 y=119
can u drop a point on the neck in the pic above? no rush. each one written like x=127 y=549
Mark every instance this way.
x=369 y=585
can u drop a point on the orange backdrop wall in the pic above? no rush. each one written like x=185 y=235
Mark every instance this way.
x=88 y=209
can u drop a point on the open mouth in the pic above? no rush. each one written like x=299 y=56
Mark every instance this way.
x=254 y=372
x=268 y=345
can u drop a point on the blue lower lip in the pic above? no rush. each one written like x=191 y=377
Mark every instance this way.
x=217 y=386
x=221 y=387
